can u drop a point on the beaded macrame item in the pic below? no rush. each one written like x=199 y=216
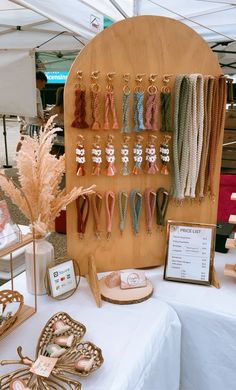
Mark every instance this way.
x=110 y=107
x=95 y=101
x=138 y=104
x=125 y=156
x=165 y=155
x=137 y=155
x=96 y=156
x=110 y=156
x=125 y=104
x=80 y=156
x=80 y=106
x=166 y=105
x=151 y=105
x=151 y=156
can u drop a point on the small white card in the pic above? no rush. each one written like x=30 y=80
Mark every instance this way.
x=62 y=278
x=43 y=366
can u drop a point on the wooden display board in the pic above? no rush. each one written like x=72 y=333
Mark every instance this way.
x=145 y=44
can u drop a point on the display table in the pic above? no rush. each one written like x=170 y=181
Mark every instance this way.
x=208 y=319
x=140 y=343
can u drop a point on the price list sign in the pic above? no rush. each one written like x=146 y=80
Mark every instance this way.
x=190 y=252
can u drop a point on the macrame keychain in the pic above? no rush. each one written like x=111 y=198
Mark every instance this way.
x=95 y=101
x=96 y=156
x=136 y=206
x=166 y=104
x=125 y=155
x=82 y=204
x=80 y=156
x=96 y=202
x=151 y=157
x=150 y=205
x=110 y=156
x=110 y=105
x=138 y=104
x=137 y=155
x=123 y=205
x=165 y=154
x=162 y=200
x=125 y=104
x=80 y=105
x=151 y=105
x=110 y=205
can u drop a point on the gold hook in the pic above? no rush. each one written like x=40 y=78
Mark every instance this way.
x=110 y=76
x=139 y=77
x=126 y=77
x=152 y=78
x=95 y=74
x=166 y=78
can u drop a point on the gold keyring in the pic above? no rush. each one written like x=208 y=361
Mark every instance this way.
x=152 y=89
x=126 y=89
x=95 y=87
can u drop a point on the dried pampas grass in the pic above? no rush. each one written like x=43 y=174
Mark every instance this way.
x=39 y=196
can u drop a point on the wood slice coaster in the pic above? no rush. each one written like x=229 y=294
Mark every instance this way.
x=125 y=297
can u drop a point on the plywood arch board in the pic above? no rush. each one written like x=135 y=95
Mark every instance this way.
x=145 y=44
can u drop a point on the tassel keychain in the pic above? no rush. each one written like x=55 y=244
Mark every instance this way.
x=138 y=104
x=95 y=104
x=110 y=105
x=166 y=104
x=110 y=156
x=125 y=104
x=151 y=105
x=80 y=105
x=125 y=156
x=165 y=155
x=151 y=157
x=137 y=154
x=80 y=156
x=96 y=156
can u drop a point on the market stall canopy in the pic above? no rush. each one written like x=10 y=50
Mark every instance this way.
x=36 y=23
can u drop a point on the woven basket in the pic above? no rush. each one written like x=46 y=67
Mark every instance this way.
x=6 y=297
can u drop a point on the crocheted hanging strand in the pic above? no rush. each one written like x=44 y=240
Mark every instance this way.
x=125 y=112
x=176 y=176
x=208 y=89
x=195 y=133
x=151 y=105
x=123 y=205
x=136 y=206
x=218 y=105
x=150 y=204
x=80 y=110
x=96 y=125
x=110 y=107
x=138 y=111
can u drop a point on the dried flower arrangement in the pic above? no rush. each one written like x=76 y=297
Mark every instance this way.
x=40 y=174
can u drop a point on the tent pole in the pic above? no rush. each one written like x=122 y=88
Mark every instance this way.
x=5 y=141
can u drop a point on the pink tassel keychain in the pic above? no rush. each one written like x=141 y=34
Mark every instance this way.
x=110 y=105
x=96 y=156
x=151 y=157
x=151 y=105
x=110 y=156
x=80 y=156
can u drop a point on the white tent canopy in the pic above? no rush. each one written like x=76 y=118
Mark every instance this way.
x=51 y=25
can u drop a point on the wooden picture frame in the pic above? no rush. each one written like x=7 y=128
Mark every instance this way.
x=190 y=252
x=61 y=279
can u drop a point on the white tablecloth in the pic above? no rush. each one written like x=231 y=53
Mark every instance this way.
x=140 y=343
x=208 y=319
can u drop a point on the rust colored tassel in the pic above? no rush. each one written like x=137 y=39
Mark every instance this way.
x=80 y=110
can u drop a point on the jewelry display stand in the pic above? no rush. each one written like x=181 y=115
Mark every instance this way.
x=26 y=310
x=141 y=45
